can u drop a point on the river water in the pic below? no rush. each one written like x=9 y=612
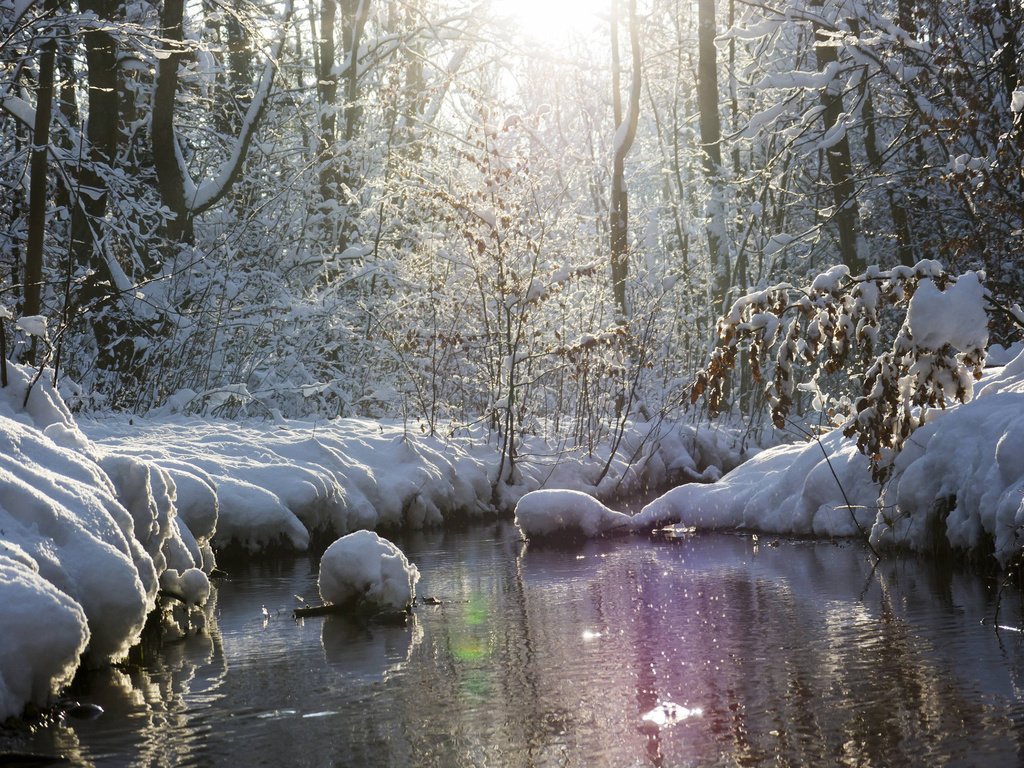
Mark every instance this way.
x=706 y=650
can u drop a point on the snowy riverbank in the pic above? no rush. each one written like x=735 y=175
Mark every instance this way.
x=99 y=519
x=103 y=522
x=958 y=483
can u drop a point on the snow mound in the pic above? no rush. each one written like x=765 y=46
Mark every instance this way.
x=44 y=633
x=59 y=509
x=551 y=512
x=87 y=538
x=191 y=586
x=364 y=570
x=967 y=466
x=788 y=489
x=959 y=480
x=258 y=484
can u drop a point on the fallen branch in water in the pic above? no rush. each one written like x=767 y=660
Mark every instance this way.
x=390 y=616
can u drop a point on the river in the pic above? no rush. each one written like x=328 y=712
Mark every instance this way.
x=703 y=650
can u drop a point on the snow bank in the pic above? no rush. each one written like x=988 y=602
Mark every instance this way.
x=45 y=632
x=260 y=484
x=269 y=483
x=363 y=570
x=960 y=480
x=962 y=476
x=788 y=489
x=651 y=455
x=84 y=540
x=546 y=513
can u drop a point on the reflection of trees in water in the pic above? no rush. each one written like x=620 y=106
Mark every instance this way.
x=800 y=654
x=805 y=655
x=150 y=702
x=798 y=661
x=471 y=694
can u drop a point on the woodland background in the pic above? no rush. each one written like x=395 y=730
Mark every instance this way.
x=405 y=208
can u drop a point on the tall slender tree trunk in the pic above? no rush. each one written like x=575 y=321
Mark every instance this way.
x=711 y=138
x=625 y=133
x=356 y=13
x=327 y=99
x=840 y=166
x=165 y=149
x=354 y=16
x=101 y=131
x=38 y=173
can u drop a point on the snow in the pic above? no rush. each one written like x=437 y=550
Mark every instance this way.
x=1017 y=101
x=102 y=520
x=831 y=279
x=81 y=553
x=814 y=80
x=45 y=631
x=955 y=316
x=364 y=570
x=787 y=489
x=545 y=512
x=761 y=119
x=959 y=480
x=970 y=464
x=33 y=325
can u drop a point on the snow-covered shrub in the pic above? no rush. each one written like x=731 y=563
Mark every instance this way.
x=547 y=513
x=837 y=325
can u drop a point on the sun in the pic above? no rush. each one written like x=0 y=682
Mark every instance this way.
x=552 y=22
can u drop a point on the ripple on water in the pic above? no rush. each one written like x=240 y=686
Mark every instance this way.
x=699 y=651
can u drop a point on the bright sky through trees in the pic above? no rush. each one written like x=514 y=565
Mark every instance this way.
x=552 y=21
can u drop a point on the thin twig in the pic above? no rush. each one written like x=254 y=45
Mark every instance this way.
x=849 y=507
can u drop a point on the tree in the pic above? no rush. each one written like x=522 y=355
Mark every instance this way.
x=625 y=133
x=179 y=191
x=38 y=175
x=711 y=137
x=836 y=146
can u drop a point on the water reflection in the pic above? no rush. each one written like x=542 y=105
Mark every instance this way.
x=165 y=691
x=367 y=653
x=704 y=650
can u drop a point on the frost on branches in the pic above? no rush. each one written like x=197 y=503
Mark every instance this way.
x=839 y=324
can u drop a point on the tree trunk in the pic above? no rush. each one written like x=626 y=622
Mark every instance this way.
x=711 y=137
x=171 y=171
x=38 y=167
x=840 y=166
x=327 y=99
x=101 y=132
x=165 y=148
x=356 y=13
x=625 y=133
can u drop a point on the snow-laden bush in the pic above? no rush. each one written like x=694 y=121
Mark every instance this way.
x=547 y=513
x=837 y=325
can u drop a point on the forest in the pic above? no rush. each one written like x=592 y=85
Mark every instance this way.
x=439 y=212
x=277 y=273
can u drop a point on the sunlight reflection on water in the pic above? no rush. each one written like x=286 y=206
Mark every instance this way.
x=705 y=650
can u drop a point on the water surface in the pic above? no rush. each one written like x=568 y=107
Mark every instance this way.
x=774 y=653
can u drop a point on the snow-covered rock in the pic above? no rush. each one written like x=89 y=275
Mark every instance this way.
x=547 y=513
x=364 y=570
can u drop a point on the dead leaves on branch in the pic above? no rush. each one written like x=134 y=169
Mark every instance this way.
x=838 y=324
